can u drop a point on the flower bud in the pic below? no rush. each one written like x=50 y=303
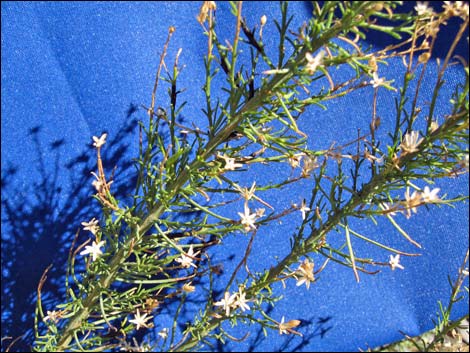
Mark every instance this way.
x=423 y=58
x=263 y=20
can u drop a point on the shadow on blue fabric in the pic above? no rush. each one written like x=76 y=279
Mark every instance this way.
x=69 y=71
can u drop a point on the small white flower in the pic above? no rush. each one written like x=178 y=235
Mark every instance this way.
x=294 y=161
x=53 y=316
x=411 y=202
x=99 y=141
x=241 y=301
x=282 y=328
x=260 y=212
x=186 y=260
x=430 y=196
x=247 y=219
x=230 y=163
x=464 y=9
x=422 y=8
x=303 y=209
x=314 y=62
x=99 y=184
x=410 y=142
x=395 y=262
x=163 y=333
x=227 y=302
x=309 y=164
x=140 y=321
x=376 y=82
x=371 y=158
x=305 y=271
x=92 y=226
x=94 y=250
x=247 y=194
x=434 y=125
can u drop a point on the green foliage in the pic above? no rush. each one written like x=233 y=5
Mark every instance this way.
x=144 y=255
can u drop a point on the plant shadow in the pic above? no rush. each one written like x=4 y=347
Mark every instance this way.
x=40 y=221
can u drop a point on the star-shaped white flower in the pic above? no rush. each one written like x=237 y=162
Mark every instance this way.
x=245 y=192
x=376 y=82
x=186 y=260
x=140 y=321
x=434 y=125
x=422 y=8
x=92 y=226
x=395 y=262
x=260 y=212
x=303 y=209
x=294 y=161
x=430 y=196
x=230 y=163
x=99 y=141
x=314 y=62
x=241 y=301
x=410 y=142
x=247 y=219
x=305 y=271
x=53 y=316
x=94 y=249
x=227 y=302
x=371 y=158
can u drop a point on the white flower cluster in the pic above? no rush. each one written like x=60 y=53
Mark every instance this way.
x=236 y=300
x=417 y=199
x=412 y=201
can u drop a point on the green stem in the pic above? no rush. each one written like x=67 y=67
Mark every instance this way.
x=257 y=101
x=311 y=241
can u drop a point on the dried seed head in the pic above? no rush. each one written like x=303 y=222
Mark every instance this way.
x=434 y=125
x=188 y=288
x=423 y=58
x=373 y=64
x=205 y=8
x=377 y=6
x=284 y=327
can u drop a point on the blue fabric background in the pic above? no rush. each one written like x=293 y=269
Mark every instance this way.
x=74 y=70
